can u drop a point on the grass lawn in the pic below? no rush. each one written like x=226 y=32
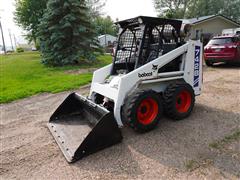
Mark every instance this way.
x=23 y=75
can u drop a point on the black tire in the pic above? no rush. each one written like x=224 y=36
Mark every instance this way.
x=142 y=110
x=179 y=99
x=208 y=63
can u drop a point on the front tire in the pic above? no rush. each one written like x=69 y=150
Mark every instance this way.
x=143 y=110
x=179 y=100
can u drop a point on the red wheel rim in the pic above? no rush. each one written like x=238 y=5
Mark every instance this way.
x=183 y=101
x=147 y=111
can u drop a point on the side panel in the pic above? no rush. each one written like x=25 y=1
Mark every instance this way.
x=193 y=66
x=196 y=77
x=100 y=75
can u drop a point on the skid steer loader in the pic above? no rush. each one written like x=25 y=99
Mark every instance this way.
x=153 y=71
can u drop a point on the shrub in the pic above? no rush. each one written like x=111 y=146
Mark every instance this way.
x=19 y=50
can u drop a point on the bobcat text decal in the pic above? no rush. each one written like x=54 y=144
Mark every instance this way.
x=144 y=74
x=196 y=66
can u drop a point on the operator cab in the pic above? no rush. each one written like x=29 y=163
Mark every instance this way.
x=143 y=39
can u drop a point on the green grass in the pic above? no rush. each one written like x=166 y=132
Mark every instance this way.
x=23 y=75
x=227 y=139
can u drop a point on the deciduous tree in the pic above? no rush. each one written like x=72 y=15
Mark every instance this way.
x=229 y=8
x=196 y=8
x=171 y=8
x=28 y=15
x=105 y=25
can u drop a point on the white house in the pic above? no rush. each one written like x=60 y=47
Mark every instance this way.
x=206 y=27
x=106 y=40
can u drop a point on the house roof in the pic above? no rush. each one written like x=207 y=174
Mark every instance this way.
x=202 y=19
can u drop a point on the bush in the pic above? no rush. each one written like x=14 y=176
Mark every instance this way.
x=19 y=50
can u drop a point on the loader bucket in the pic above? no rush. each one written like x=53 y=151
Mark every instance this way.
x=80 y=127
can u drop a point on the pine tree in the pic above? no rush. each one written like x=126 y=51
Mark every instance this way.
x=66 y=34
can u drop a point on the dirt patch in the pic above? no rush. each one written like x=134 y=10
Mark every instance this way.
x=175 y=150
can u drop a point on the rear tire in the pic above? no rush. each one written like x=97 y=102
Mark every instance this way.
x=142 y=110
x=208 y=63
x=179 y=100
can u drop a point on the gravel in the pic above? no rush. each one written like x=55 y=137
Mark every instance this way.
x=175 y=150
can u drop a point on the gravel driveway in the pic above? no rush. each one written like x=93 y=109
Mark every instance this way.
x=175 y=150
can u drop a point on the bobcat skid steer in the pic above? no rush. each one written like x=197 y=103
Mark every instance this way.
x=153 y=71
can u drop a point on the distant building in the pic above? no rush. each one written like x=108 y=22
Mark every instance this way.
x=106 y=40
x=233 y=31
x=26 y=47
x=206 y=27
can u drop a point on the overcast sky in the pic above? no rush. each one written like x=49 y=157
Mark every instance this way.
x=124 y=9
x=121 y=9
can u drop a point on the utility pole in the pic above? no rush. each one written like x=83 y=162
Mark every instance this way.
x=105 y=30
x=4 y=46
x=15 y=40
x=10 y=38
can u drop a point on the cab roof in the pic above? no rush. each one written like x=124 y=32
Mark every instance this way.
x=153 y=21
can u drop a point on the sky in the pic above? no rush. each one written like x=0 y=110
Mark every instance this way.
x=6 y=16
x=124 y=9
x=121 y=9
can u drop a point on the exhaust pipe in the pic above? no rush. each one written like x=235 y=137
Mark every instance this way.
x=81 y=127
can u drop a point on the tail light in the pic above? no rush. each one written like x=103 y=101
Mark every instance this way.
x=207 y=49
x=231 y=48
